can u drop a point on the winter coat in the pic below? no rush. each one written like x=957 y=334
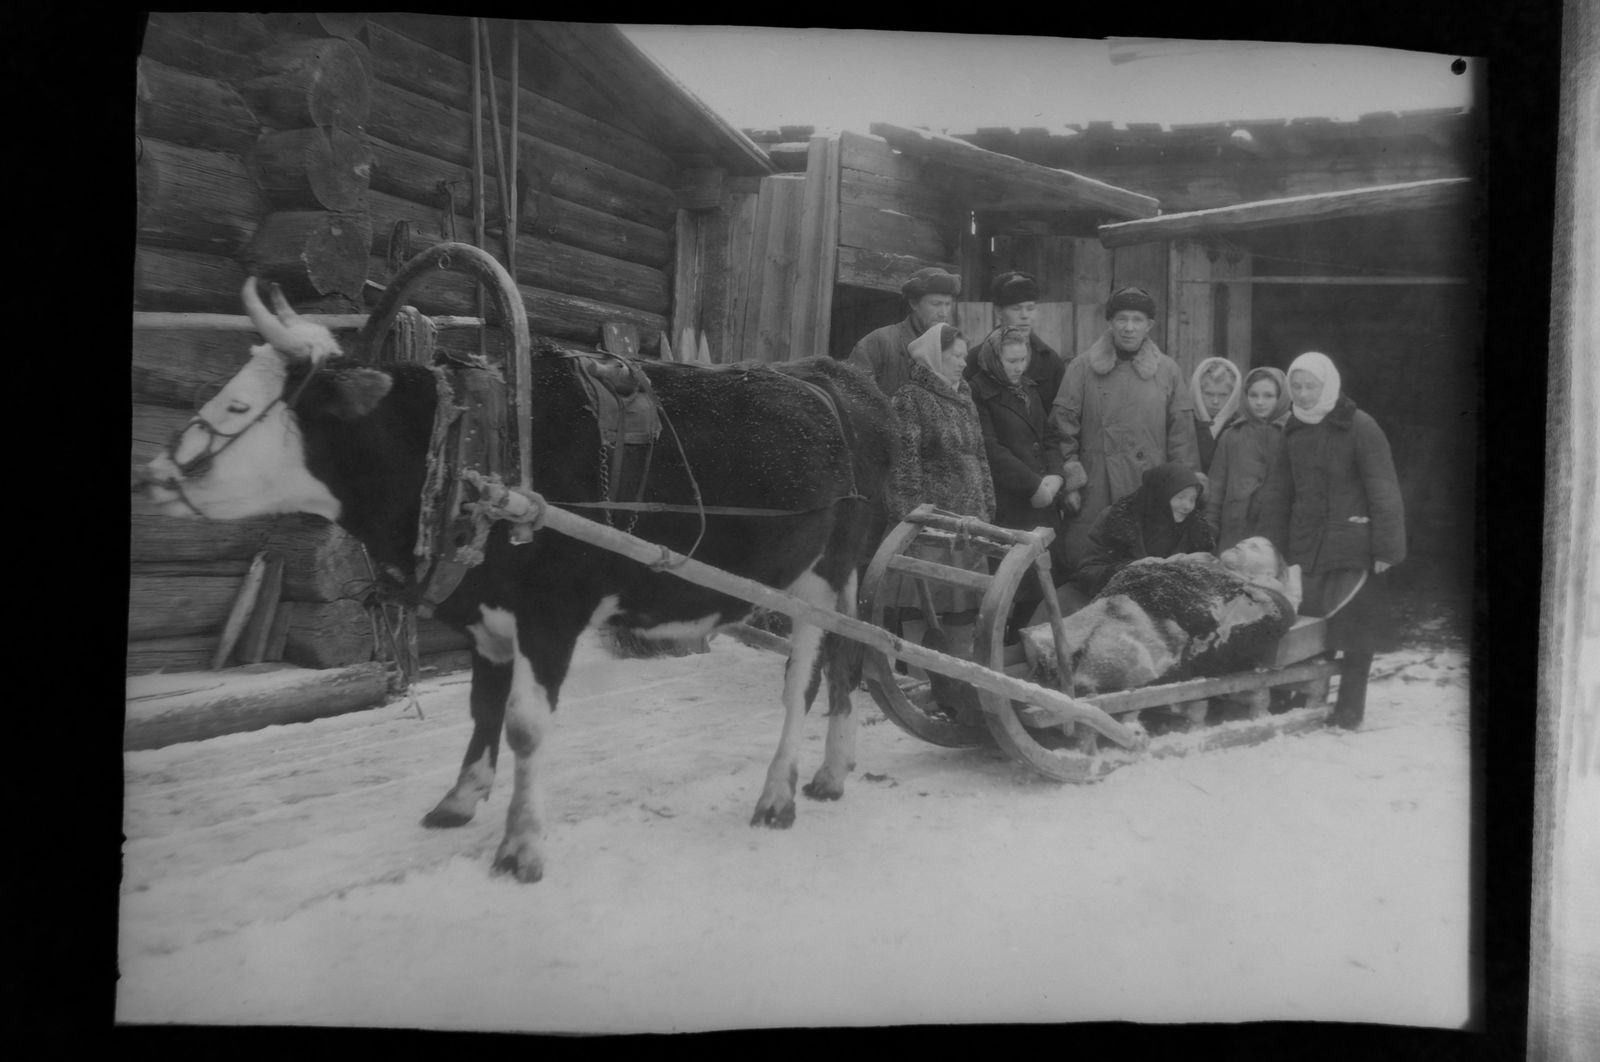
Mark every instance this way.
x=1118 y=418
x=1332 y=500
x=1245 y=454
x=1045 y=366
x=1021 y=444
x=1121 y=534
x=941 y=455
x=886 y=354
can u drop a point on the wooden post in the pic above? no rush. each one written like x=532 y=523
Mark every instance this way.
x=818 y=255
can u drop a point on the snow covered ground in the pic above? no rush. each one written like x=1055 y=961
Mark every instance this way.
x=282 y=876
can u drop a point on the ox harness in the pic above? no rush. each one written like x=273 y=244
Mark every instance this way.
x=463 y=487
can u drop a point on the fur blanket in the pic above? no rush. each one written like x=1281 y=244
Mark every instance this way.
x=1168 y=620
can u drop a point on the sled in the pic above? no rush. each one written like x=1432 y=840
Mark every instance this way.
x=1194 y=715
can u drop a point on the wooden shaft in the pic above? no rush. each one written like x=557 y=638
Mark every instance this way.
x=702 y=574
x=229 y=322
x=477 y=174
x=1058 y=634
x=502 y=186
x=976 y=526
x=515 y=130
x=243 y=605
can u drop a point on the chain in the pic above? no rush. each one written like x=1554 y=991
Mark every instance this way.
x=605 y=481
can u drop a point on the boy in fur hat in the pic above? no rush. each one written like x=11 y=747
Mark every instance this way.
x=1016 y=300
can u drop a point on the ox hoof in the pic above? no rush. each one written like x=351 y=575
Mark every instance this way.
x=520 y=857
x=823 y=787
x=445 y=816
x=774 y=816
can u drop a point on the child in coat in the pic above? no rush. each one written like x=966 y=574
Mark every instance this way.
x=1245 y=452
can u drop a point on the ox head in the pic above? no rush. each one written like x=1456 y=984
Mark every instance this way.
x=243 y=454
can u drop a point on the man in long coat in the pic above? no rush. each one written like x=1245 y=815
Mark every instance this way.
x=1123 y=407
x=885 y=352
x=1016 y=296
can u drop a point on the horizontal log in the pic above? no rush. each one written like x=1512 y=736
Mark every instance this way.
x=540 y=263
x=195 y=199
x=214 y=43
x=424 y=67
x=153 y=427
x=1326 y=206
x=182 y=367
x=312 y=252
x=1059 y=189
x=1428 y=281
x=229 y=568
x=327 y=634
x=322 y=561
x=167 y=606
x=863 y=268
x=550 y=313
x=406 y=119
x=412 y=175
x=319 y=168
x=189 y=652
x=172 y=279
x=171 y=540
x=860 y=188
x=890 y=233
x=192 y=109
x=252 y=702
x=310 y=82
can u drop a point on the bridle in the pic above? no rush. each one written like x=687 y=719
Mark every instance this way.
x=200 y=463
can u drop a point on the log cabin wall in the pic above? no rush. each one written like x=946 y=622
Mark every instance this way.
x=319 y=151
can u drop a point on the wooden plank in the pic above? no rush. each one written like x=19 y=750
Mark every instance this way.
x=688 y=270
x=1325 y=206
x=169 y=606
x=1146 y=266
x=817 y=256
x=891 y=233
x=882 y=192
x=941 y=573
x=1233 y=267
x=1052 y=188
x=1189 y=324
x=152 y=429
x=168 y=279
x=728 y=293
x=975 y=319
x=872 y=154
x=252 y=705
x=1091 y=287
x=865 y=268
x=188 y=652
x=1056 y=324
x=253 y=642
x=777 y=261
x=243 y=605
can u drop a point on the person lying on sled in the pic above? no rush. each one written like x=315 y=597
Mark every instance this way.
x=1173 y=618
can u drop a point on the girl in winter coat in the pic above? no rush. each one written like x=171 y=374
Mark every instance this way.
x=1023 y=446
x=1162 y=518
x=940 y=460
x=1245 y=451
x=1215 y=387
x=1332 y=505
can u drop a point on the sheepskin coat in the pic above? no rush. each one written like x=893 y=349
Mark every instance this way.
x=1245 y=452
x=886 y=354
x=1045 y=366
x=1118 y=417
x=1333 y=500
x=941 y=454
x=1119 y=537
x=1021 y=445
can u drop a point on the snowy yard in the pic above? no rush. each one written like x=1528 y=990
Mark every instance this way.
x=282 y=876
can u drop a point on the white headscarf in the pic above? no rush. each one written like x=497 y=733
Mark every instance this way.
x=927 y=350
x=1229 y=407
x=1319 y=366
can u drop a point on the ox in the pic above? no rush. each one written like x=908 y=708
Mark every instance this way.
x=303 y=428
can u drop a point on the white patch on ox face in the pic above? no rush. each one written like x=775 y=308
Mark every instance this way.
x=261 y=471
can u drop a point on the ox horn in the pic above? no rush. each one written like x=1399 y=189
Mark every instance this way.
x=274 y=329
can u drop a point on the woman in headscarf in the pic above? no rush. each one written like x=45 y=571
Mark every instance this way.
x=1163 y=518
x=940 y=461
x=1023 y=446
x=1246 y=449
x=1332 y=505
x=1215 y=387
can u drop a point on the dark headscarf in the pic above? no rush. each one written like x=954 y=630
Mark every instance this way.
x=1162 y=534
x=989 y=361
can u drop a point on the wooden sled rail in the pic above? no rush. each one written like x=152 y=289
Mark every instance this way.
x=1192 y=690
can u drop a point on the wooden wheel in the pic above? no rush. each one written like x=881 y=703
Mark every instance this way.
x=908 y=704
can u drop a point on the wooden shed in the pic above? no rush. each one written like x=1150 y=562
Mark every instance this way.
x=319 y=151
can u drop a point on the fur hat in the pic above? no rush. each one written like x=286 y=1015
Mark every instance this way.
x=930 y=281
x=1013 y=287
x=1131 y=299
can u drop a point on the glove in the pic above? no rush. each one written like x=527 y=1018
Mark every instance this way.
x=1073 y=476
x=1070 y=503
x=1048 y=486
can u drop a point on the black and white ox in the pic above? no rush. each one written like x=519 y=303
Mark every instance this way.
x=302 y=428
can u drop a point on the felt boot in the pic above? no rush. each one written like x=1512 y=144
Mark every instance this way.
x=1351 y=704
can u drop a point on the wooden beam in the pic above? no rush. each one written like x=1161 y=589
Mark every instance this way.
x=1325 y=206
x=1056 y=189
x=1427 y=280
x=228 y=322
x=818 y=255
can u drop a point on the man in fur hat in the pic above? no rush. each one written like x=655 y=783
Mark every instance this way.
x=1016 y=300
x=885 y=352
x=1123 y=407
